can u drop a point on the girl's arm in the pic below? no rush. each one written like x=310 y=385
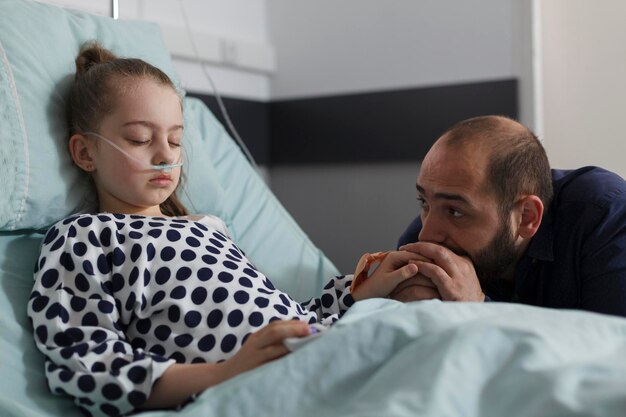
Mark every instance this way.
x=181 y=381
x=78 y=322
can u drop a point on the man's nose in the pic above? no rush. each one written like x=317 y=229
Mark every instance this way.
x=433 y=229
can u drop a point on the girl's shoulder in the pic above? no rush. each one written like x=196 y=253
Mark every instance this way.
x=210 y=221
x=69 y=227
x=86 y=220
x=83 y=223
x=69 y=221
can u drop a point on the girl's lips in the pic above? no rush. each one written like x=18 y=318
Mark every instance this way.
x=161 y=180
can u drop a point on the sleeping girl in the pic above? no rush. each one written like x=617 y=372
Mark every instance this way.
x=139 y=304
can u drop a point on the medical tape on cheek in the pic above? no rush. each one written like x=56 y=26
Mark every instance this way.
x=163 y=167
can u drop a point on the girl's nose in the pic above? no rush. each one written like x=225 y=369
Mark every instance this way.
x=164 y=152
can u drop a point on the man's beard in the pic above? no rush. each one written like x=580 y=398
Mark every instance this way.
x=496 y=259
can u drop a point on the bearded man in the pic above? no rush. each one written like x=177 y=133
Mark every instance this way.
x=497 y=224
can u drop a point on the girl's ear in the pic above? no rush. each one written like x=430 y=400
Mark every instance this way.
x=80 y=148
x=531 y=214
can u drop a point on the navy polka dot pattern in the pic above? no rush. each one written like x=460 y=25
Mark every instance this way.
x=119 y=298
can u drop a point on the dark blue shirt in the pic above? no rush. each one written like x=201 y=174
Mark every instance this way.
x=577 y=258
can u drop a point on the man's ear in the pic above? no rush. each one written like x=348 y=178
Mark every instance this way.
x=530 y=216
x=80 y=150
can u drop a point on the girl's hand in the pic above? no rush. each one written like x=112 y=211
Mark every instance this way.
x=394 y=269
x=180 y=381
x=264 y=346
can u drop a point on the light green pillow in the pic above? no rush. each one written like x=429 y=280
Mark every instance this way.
x=38 y=45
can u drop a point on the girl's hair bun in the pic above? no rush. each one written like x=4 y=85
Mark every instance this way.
x=92 y=54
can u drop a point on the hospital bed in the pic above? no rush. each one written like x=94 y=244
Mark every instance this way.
x=383 y=358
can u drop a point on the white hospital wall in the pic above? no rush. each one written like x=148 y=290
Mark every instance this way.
x=584 y=82
x=331 y=47
x=327 y=47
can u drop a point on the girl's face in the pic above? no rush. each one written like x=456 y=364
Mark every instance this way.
x=146 y=122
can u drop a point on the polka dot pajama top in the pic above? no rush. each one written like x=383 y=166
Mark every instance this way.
x=119 y=298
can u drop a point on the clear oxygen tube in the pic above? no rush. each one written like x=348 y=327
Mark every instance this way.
x=161 y=167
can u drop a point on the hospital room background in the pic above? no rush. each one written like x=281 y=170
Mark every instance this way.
x=338 y=101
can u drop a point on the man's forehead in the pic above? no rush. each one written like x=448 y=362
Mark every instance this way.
x=456 y=162
x=454 y=171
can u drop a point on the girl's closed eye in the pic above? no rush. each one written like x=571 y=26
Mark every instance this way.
x=138 y=142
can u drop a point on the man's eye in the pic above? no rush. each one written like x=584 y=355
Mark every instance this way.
x=455 y=213
x=422 y=203
x=175 y=144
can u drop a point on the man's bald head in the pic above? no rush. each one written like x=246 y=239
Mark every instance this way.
x=517 y=163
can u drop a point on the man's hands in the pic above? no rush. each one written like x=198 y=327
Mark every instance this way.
x=453 y=275
x=416 y=288
x=393 y=270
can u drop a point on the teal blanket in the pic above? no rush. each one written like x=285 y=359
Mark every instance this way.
x=440 y=359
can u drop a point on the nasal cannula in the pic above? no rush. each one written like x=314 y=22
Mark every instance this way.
x=162 y=167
